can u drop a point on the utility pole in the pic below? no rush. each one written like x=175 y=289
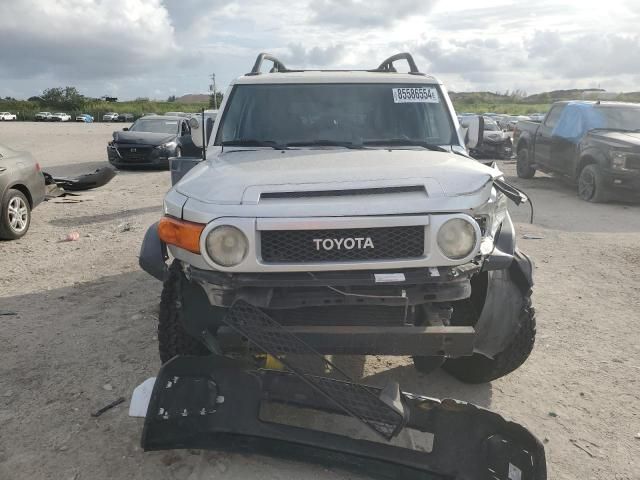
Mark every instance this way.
x=212 y=88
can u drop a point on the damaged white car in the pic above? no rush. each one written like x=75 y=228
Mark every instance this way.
x=344 y=205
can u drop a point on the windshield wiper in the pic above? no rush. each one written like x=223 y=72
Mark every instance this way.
x=249 y=142
x=405 y=142
x=325 y=143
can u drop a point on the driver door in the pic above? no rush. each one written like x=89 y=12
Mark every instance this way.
x=544 y=136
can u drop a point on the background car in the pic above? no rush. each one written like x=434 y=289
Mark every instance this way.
x=151 y=141
x=110 y=117
x=84 y=117
x=496 y=142
x=21 y=189
x=43 y=116
x=60 y=117
x=125 y=117
x=6 y=116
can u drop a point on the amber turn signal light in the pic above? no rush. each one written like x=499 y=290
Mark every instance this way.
x=180 y=233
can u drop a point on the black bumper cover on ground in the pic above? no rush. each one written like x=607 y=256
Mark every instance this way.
x=214 y=403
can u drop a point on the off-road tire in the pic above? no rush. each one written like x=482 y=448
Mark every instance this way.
x=426 y=365
x=480 y=369
x=591 y=184
x=7 y=232
x=523 y=164
x=172 y=337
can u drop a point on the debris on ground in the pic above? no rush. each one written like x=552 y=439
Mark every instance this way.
x=7 y=313
x=532 y=236
x=107 y=387
x=71 y=237
x=115 y=403
x=584 y=448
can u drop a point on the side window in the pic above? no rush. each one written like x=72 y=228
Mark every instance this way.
x=552 y=117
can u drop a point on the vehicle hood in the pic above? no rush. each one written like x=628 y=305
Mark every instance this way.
x=241 y=176
x=628 y=139
x=146 y=138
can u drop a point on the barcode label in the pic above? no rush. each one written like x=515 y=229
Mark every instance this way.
x=415 y=95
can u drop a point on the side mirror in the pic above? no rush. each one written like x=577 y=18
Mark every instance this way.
x=475 y=132
x=125 y=129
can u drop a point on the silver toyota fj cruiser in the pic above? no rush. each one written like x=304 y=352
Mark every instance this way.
x=344 y=205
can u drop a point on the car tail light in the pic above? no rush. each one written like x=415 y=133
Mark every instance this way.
x=38 y=169
x=180 y=233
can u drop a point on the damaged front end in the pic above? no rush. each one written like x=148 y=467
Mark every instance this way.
x=220 y=403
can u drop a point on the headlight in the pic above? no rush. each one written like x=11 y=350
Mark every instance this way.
x=168 y=145
x=456 y=238
x=619 y=160
x=226 y=245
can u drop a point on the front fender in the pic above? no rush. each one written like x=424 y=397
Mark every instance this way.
x=504 y=247
x=153 y=254
x=508 y=291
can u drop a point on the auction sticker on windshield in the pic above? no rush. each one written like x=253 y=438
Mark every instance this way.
x=415 y=95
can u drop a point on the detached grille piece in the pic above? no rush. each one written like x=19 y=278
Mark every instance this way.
x=357 y=400
x=302 y=246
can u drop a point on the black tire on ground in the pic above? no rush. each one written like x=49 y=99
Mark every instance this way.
x=15 y=216
x=523 y=164
x=426 y=365
x=172 y=337
x=591 y=184
x=480 y=369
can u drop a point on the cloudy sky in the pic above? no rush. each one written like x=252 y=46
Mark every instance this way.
x=156 y=48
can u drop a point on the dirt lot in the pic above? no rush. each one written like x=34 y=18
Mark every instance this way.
x=84 y=333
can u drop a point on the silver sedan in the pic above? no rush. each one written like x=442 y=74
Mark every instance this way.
x=22 y=188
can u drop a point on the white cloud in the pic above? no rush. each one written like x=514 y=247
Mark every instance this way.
x=76 y=39
x=138 y=47
x=366 y=13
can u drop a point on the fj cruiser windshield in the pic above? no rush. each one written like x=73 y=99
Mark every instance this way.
x=336 y=114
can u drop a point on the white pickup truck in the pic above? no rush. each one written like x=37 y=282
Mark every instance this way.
x=344 y=205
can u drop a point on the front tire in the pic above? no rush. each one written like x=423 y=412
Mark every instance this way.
x=480 y=369
x=15 y=216
x=173 y=339
x=523 y=164
x=591 y=184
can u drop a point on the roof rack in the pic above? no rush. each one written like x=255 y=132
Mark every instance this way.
x=278 y=66
x=385 y=67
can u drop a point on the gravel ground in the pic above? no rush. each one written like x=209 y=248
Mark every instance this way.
x=84 y=333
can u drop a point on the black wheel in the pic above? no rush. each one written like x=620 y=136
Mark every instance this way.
x=428 y=365
x=523 y=164
x=480 y=369
x=172 y=338
x=591 y=185
x=15 y=217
